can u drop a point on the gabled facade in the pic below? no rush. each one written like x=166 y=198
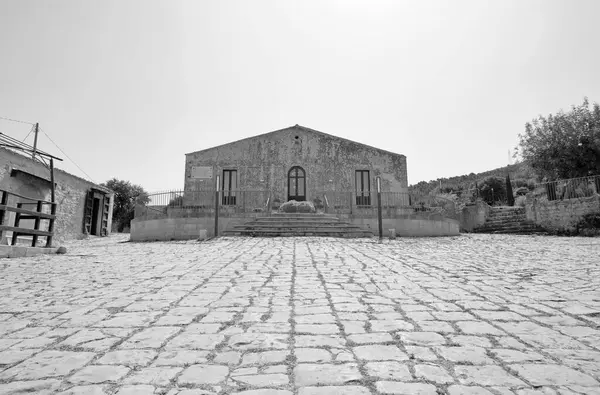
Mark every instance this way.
x=296 y=163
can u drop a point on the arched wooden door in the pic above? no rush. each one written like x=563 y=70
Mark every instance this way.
x=297 y=184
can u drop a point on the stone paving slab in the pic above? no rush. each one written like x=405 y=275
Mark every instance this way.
x=466 y=315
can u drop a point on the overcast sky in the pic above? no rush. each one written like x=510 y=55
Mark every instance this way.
x=126 y=88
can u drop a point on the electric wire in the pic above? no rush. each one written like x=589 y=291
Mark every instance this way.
x=30 y=130
x=67 y=156
x=16 y=120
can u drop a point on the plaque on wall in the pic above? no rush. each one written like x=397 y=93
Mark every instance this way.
x=204 y=172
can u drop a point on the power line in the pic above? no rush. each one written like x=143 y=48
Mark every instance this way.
x=65 y=154
x=30 y=130
x=16 y=120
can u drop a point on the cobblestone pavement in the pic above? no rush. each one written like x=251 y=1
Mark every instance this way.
x=475 y=314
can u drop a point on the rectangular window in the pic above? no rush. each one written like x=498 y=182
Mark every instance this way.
x=229 y=187
x=363 y=188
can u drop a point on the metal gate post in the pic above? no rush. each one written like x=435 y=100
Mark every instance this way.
x=217 y=208
x=379 y=216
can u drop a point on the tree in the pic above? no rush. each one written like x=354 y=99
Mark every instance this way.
x=176 y=201
x=127 y=195
x=565 y=145
x=509 y=191
x=492 y=189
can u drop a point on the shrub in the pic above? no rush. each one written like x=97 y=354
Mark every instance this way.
x=520 y=201
x=589 y=225
x=521 y=191
x=318 y=203
x=276 y=204
x=493 y=189
x=297 y=207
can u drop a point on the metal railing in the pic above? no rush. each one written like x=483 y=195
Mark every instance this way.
x=572 y=188
x=199 y=203
x=392 y=204
x=20 y=205
x=235 y=202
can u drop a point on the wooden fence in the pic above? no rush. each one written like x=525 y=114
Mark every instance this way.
x=22 y=213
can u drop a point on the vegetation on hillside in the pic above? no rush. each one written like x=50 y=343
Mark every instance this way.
x=561 y=146
x=521 y=175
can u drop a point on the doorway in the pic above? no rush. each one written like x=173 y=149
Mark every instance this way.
x=95 y=217
x=96 y=213
x=297 y=184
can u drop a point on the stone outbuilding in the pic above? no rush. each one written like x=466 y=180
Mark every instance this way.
x=295 y=163
x=82 y=206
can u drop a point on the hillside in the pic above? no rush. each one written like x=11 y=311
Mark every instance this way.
x=520 y=174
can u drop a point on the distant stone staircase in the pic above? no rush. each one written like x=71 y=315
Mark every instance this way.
x=298 y=224
x=508 y=220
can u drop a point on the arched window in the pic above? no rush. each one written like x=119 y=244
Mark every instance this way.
x=297 y=184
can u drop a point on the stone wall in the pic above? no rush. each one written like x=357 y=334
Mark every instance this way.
x=33 y=180
x=560 y=215
x=474 y=215
x=410 y=226
x=180 y=228
x=262 y=163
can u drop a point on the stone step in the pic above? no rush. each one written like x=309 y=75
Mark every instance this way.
x=504 y=215
x=507 y=209
x=294 y=226
x=526 y=228
x=505 y=230
x=506 y=221
x=315 y=232
x=534 y=231
x=297 y=224
x=297 y=219
x=300 y=215
x=301 y=230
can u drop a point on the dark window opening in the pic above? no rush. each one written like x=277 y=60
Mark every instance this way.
x=363 y=188
x=229 y=187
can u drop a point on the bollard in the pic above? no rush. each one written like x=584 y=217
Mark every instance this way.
x=392 y=234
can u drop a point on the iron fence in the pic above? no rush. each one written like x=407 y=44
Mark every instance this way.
x=572 y=188
x=198 y=203
x=392 y=203
x=178 y=203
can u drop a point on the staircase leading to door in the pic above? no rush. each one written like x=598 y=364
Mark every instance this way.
x=508 y=220
x=298 y=224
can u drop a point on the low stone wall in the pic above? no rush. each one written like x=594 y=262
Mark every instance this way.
x=187 y=225
x=179 y=228
x=412 y=226
x=560 y=215
x=474 y=215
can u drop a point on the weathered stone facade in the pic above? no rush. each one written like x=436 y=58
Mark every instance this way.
x=266 y=162
x=22 y=175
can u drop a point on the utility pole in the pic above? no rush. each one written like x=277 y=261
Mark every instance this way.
x=37 y=128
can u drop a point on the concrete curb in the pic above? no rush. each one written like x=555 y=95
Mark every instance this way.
x=22 y=251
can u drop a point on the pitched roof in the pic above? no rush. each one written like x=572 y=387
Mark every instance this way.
x=300 y=128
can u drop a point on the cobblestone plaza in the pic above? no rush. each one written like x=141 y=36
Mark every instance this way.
x=472 y=314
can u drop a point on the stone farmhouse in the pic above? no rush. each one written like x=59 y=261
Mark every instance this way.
x=295 y=163
x=240 y=188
